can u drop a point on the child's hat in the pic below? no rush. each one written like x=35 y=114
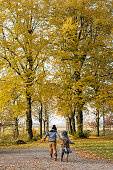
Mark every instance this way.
x=54 y=127
x=64 y=133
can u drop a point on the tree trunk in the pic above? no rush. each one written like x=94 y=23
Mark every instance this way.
x=44 y=127
x=45 y=120
x=97 y=122
x=23 y=128
x=29 y=82
x=3 y=130
x=103 y=124
x=40 y=120
x=47 y=124
x=16 y=131
x=110 y=125
x=29 y=118
x=70 y=126
x=73 y=122
x=79 y=118
x=0 y=130
x=73 y=125
x=67 y=124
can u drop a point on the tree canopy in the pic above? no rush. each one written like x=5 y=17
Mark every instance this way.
x=56 y=50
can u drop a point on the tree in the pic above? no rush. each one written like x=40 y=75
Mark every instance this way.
x=24 y=38
x=42 y=102
x=84 y=28
x=99 y=69
x=12 y=101
x=109 y=121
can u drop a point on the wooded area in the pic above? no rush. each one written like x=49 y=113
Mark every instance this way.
x=55 y=56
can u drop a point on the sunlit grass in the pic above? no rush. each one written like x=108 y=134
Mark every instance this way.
x=101 y=146
x=12 y=145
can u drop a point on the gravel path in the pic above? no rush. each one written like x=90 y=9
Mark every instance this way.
x=38 y=158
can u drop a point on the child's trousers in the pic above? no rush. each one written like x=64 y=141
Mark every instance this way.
x=63 y=150
x=53 y=150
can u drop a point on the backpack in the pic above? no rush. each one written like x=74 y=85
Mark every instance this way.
x=64 y=143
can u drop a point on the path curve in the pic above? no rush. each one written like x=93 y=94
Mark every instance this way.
x=38 y=159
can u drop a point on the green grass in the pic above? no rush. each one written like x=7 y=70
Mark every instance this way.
x=101 y=146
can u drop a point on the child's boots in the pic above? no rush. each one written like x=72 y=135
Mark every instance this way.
x=56 y=157
x=61 y=158
x=67 y=158
x=50 y=155
x=62 y=154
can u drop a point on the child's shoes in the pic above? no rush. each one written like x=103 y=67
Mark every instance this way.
x=50 y=156
x=55 y=157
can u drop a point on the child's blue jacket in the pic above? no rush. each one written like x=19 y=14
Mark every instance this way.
x=52 y=135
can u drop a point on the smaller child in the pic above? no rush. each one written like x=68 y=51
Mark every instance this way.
x=65 y=145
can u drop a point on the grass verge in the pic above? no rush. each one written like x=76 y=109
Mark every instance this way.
x=95 y=147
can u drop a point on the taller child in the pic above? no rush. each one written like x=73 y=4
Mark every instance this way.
x=52 y=141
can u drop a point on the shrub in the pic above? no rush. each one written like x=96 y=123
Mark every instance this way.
x=85 y=134
x=18 y=142
x=34 y=139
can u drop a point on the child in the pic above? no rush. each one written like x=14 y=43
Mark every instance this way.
x=65 y=145
x=52 y=141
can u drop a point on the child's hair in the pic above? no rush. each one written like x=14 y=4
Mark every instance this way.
x=54 y=127
x=64 y=133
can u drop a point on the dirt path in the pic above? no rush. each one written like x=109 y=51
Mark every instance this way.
x=38 y=158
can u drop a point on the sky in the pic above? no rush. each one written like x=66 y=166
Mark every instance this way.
x=57 y=120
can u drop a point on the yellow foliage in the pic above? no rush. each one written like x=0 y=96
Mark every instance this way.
x=57 y=51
